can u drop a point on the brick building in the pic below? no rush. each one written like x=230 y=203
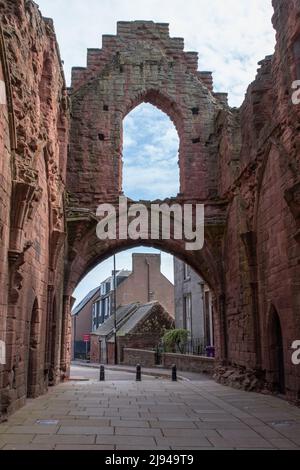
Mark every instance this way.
x=193 y=306
x=243 y=164
x=145 y=283
x=139 y=326
x=82 y=323
x=102 y=305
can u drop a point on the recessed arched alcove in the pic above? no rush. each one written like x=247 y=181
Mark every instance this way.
x=276 y=351
x=32 y=360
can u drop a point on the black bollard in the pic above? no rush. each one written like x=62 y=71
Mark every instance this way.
x=102 y=374
x=138 y=373
x=174 y=373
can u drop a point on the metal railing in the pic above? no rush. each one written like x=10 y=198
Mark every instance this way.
x=193 y=346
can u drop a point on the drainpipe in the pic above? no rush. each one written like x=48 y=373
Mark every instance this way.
x=115 y=313
x=148 y=279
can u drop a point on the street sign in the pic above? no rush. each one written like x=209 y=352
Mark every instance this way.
x=86 y=338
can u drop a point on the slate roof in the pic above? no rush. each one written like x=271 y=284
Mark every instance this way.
x=135 y=318
x=122 y=313
x=84 y=301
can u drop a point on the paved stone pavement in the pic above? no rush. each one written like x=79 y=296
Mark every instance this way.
x=153 y=414
x=92 y=373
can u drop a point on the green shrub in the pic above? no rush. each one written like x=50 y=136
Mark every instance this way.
x=175 y=339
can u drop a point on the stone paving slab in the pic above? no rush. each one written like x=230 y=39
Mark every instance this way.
x=139 y=441
x=173 y=424
x=153 y=432
x=85 y=430
x=122 y=423
x=27 y=447
x=83 y=447
x=16 y=438
x=61 y=439
x=193 y=441
x=35 y=429
x=152 y=415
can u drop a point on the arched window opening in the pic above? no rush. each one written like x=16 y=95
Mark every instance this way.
x=53 y=345
x=276 y=351
x=32 y=363
x=150 y=154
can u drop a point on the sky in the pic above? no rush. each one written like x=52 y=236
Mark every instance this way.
x=231 y=37
x=124 y=261
x=150 y=155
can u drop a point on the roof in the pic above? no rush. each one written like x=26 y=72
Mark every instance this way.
x=120 y=273
x=137 y=316
x=83 y=303
x=124 y=272
x=122 y=312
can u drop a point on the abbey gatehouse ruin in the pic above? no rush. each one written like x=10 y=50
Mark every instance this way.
x=61 y=157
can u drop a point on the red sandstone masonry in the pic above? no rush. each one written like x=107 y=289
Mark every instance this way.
x=242 y=163
x=39 y=108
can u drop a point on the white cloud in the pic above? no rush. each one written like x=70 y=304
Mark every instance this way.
x=231 y=37
x=151 y=158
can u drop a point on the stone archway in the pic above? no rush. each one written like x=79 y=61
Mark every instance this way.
x=142 y=63
x=87 y=251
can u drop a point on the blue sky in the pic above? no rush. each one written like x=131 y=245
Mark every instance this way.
x=150 y=154
x=230 y=36
x=124 y=261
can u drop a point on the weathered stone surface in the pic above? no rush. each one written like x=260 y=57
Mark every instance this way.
x=34 y=135
x=242 y=163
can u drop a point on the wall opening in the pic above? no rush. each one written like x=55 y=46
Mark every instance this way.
x=276 y=352
x=143 y=275
x=150 y=154
x=32 y=363
x=53 y=345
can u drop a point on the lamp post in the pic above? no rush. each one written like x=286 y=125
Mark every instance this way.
x=115 y=311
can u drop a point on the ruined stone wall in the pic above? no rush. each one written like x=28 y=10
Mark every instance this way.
x=242 y=163
x=7 y=143
x=261 y=248
x=39 y=106
x=142 y=63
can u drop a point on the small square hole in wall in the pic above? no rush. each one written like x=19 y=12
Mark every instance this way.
x=101 y=137
x=196 y=141
x=195 y=111
x=105 y=107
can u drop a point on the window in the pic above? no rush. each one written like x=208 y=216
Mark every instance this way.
x=150 y=154
x=95 y=317
x=187 y=320
x=186 y=272
x=96 y=320
x=107 y=287
x=103 y=311
x=103 y=288
x=106 y=308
